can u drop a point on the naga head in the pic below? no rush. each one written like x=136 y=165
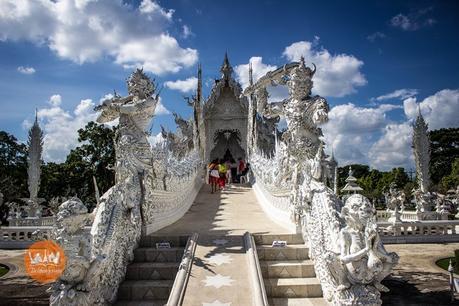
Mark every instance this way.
x=139 y=85
x=300 y=81
x=358 y=210
x=72 y=216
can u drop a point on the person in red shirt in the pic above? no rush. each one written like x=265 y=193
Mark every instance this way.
x=240 y=167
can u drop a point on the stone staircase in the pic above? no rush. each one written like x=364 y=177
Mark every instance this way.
x=288 y=273
x=149 y=278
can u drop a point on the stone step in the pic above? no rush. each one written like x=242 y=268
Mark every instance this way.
x=158 y=255
x=290 y=252
x=269 y=238
x=145 y=290
x=152 y=270
x=175 y=241
x=287 y=268
x=293 y=287
x=141 y=303
x=297 y=302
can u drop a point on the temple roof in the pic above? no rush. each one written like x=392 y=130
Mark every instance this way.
x=226 y=81
x=351 y=183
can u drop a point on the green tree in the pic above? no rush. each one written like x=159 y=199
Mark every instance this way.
x=94 y=157
x=13 y=170
x=451 y=181
x=444 y=146
x=13 y=167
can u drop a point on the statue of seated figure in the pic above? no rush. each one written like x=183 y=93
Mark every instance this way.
x=362 y=260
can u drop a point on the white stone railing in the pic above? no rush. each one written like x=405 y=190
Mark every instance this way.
x=168 y=200
x=171 y=205
x=384 y=215
x=21 y=237
x=275 y=204
x=419 y=231
x=43 y=221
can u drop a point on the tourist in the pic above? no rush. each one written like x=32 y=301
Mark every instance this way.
x=228 y=171
x=244 y=173
x=213 y=175
x=233 y=167
x=240 y=168
x=222 y=172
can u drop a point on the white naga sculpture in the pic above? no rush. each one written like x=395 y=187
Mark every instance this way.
x=93 y=278
x=349 y=258
x=97 y=269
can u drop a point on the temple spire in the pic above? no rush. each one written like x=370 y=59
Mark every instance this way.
x=35 y=146
x=199 y=87
x=250 y=74
x=226 y=68
x=421 y=150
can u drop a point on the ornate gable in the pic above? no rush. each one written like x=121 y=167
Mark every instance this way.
x=226 y=96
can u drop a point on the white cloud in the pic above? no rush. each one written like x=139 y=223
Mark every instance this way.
x=337 y=74
x=439 y=110
x=161 y=109
x=375 y=36
x=186 y=31
x=151 y=7
x=60 y=128
x=398 y=94
x=26 y=70
x=393 y=149
x=185 y=86
x=352 y=130
x=259 y=69
x=55 y=100
x=86 y=31
x=413 y=21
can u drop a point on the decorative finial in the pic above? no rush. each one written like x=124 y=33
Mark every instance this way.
x=250 y=74
x=302 y=61
x=350 y=171
x=199 y=86
x=226 y=68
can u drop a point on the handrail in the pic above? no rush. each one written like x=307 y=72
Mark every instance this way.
x=260 y=297
x=181 y=280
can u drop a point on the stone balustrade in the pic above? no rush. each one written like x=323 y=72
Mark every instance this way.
x=43 y=221
x=21 y=237
x=419 y=231
x=384 y=215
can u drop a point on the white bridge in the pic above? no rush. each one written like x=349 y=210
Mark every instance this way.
x=159 y=224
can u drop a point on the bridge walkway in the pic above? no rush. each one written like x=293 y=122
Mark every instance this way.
x=220 y=272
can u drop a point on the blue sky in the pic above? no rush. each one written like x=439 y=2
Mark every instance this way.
x=376 y=60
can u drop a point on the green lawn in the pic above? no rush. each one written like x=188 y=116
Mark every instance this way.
x=444 y=262
x=3 y=270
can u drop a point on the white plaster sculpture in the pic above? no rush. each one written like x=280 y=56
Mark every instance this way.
x=117 y=218
x=349 y=258
x=362 y=259
x=395 y=201
x=134 y=203
x=421 y=150
x=35 y=144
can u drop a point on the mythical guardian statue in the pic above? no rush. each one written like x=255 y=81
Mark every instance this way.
x=362 y=259
x=96 y=270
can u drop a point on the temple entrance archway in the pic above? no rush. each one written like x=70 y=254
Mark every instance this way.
x=227 y=145
x=225 y=115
